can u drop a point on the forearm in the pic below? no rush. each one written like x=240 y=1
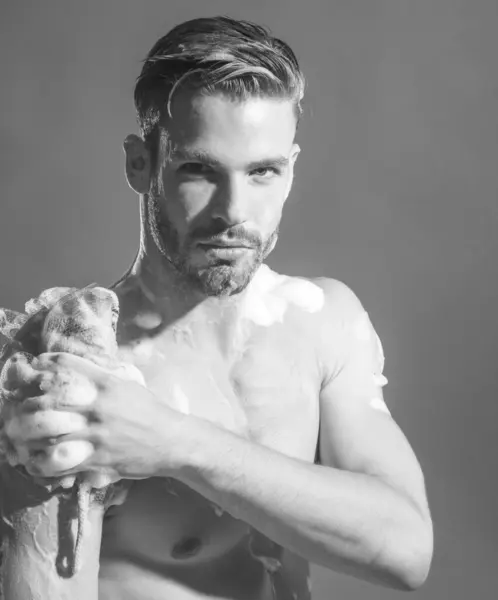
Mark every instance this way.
x=346 y=521
x=38 y=544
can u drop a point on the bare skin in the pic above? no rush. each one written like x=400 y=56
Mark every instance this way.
x=166 y=540
x=243 y=387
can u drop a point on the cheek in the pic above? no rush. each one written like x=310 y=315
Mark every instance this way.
x=195 y=196
x=188 y=198
x=269 y=205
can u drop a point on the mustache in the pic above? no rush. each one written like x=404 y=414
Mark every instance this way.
x=214 y=234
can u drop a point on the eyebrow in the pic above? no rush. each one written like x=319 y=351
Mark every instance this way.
x=197 y=155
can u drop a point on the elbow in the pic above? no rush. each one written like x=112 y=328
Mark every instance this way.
x=410 y=558
x=414 y=573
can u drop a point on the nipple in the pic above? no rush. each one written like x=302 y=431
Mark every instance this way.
x=186 y=548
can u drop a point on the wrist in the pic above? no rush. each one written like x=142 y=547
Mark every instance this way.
x=196 y=448
x=184 y=441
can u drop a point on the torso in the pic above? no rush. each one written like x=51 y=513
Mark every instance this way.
x=262 y=381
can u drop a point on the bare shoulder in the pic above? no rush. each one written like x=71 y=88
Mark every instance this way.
x=330 y=303
x=340 y=301
x=335 y=323
x=314 y=295
x=323 y=312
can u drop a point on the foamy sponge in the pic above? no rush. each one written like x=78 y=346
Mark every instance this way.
x=77 y=321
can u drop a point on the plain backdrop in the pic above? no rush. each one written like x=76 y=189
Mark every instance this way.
x=395 y=194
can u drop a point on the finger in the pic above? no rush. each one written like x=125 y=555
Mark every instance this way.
x=78 y=444
x=76 y=379
x=60 y=459
x=93 y=434
x=23 y=429
x=18 y=372
x=49 y=361
x=56 y=361
x=54 y=402
x=33 y=404
x=68 y=389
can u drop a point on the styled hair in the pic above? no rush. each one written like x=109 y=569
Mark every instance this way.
x=215 y=54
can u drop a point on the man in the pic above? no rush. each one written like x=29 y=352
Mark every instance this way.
x=262 y=440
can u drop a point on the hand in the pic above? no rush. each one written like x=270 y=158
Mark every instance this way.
x=61 y=398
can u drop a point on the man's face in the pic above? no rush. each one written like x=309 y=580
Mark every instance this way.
x=217 y=194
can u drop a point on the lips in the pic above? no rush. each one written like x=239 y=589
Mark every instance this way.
x=224 y=244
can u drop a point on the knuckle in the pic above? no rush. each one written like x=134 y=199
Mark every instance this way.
x=61 y=359
x=104 y=384
x=35 y=404
x=49 y=360
x=95 y=414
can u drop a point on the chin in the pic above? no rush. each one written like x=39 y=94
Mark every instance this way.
x=224 y=280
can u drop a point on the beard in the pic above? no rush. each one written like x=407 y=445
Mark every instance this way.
x=217 y=277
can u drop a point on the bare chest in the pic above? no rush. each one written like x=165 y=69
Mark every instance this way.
x=265 y=390
x=268 y=394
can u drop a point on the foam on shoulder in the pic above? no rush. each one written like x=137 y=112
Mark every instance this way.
x=270 y=295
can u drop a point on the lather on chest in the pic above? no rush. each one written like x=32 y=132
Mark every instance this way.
x=269 y=393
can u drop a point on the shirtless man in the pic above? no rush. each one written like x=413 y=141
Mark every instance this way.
x=262 y=440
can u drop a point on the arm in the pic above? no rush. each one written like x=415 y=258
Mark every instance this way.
x=37 y=530
x=41 y=529
x=364 y=510
x=37 y=525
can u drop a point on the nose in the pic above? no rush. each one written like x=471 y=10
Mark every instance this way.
x=230 y=202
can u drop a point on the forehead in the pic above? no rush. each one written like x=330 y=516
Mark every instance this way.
x=230 y=128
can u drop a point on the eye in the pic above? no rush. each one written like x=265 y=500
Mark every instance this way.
x=266 y=172
x=191 y=168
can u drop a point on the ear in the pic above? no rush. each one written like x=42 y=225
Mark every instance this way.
x=292 y=161
x=138 y=164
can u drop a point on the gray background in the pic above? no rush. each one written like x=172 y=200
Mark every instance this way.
x=396 y=194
